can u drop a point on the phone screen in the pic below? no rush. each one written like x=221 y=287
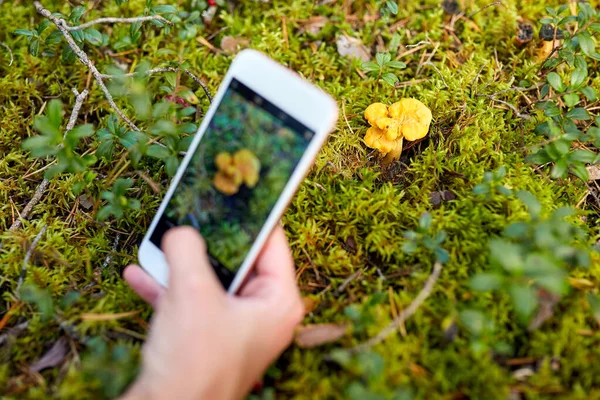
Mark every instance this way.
x=236 y=175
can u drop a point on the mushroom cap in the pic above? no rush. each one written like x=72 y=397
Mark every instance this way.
x=248 y=165
x=376 y=138
x=226 y=184
x=223 y=161
x=376 y=111
x=413 y=116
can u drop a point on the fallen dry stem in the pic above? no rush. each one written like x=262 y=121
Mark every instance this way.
x=404 y=314
x=28 y=256
x=111 y=20
x=166 y=69
x=507 y=104
x=9 y=52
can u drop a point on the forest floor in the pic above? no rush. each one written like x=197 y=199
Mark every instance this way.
x=412 y=262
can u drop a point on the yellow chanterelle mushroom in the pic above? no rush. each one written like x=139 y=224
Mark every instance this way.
x=242 y=167
x=406 y=119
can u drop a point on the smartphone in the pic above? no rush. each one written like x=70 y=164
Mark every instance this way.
x=256 y=143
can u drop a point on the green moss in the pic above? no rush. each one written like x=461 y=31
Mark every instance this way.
x=348 y=215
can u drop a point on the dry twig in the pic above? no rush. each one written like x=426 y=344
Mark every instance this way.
x=166 y=69
x=109 y=256
x=9 y=52
x=507 y=104
x=111 y=20
x=28 y=256
x=405 y=314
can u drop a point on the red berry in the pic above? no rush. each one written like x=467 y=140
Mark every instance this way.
x=212 y=3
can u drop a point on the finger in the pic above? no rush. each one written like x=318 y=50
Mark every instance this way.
x=189 y=267
x=143 y=284
x=276 y=259
x=274 y=269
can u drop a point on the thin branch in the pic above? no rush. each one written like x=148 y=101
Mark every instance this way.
x=412 y=46
x=28 y=256
x=9 y=52
x=39 y=192
x=507 y=104
x=432 y=65
x=496 y=3
x=62 y=26
x=405 y=314
x=111 y=20
x=165 y=69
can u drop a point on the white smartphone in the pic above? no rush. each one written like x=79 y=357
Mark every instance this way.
x=255 y=145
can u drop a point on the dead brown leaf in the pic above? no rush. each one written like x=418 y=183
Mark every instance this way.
x=309 y=304
x=351 y=47
x=85 y=202
x=546 y=310
x=594 y=172
x=313 y=25
x=52 y=357
x=309 y=336
x=231 y=45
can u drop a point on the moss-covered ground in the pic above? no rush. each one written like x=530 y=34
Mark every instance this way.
x=346 y=224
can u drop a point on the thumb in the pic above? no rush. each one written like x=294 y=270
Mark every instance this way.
x=189 y=268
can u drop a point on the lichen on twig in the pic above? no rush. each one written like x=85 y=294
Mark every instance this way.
x=404 y=314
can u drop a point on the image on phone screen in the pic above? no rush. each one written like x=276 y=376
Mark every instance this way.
x=236 y=175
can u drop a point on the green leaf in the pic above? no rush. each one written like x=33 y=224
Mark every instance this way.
x=54 y=113
x=104 y=213
x=516 y=230
x=594 y=302
x=23 y=32
x=164 y=9
x=105 y=149
x=578 y=113
x=559 y=170
x=484 y=282
x=580 y=171
x=392 y=6
x=157 y=151
x=425 y=221
x=587 y=45
x=121 y=185
x=369 y=66
x=396 y=64
x=43 y=125
x=42 y=299
x=524 y=299
x=475 y=321
x=390 y=78
x=54 y=38
x=93 y=36
x=571 y=99
x=171 y=165
x=383 y=58
x=81 y=131
x=585 y=156
x=441 y=255
x=530 y=201
x=589 y=93
x=555 y=81
x=76 y=14
x=506 y=254
x=34 y=47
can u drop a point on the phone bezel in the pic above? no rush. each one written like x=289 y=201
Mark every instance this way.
x=294 y=96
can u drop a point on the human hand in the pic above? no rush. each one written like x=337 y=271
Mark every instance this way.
x=203 y=343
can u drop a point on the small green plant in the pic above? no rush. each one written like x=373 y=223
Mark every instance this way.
x=52 y=142
x=571 y=142
x=389 y=8
x=423 y=237
x=533 y=256
x=117 y=202
x=382 y=68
